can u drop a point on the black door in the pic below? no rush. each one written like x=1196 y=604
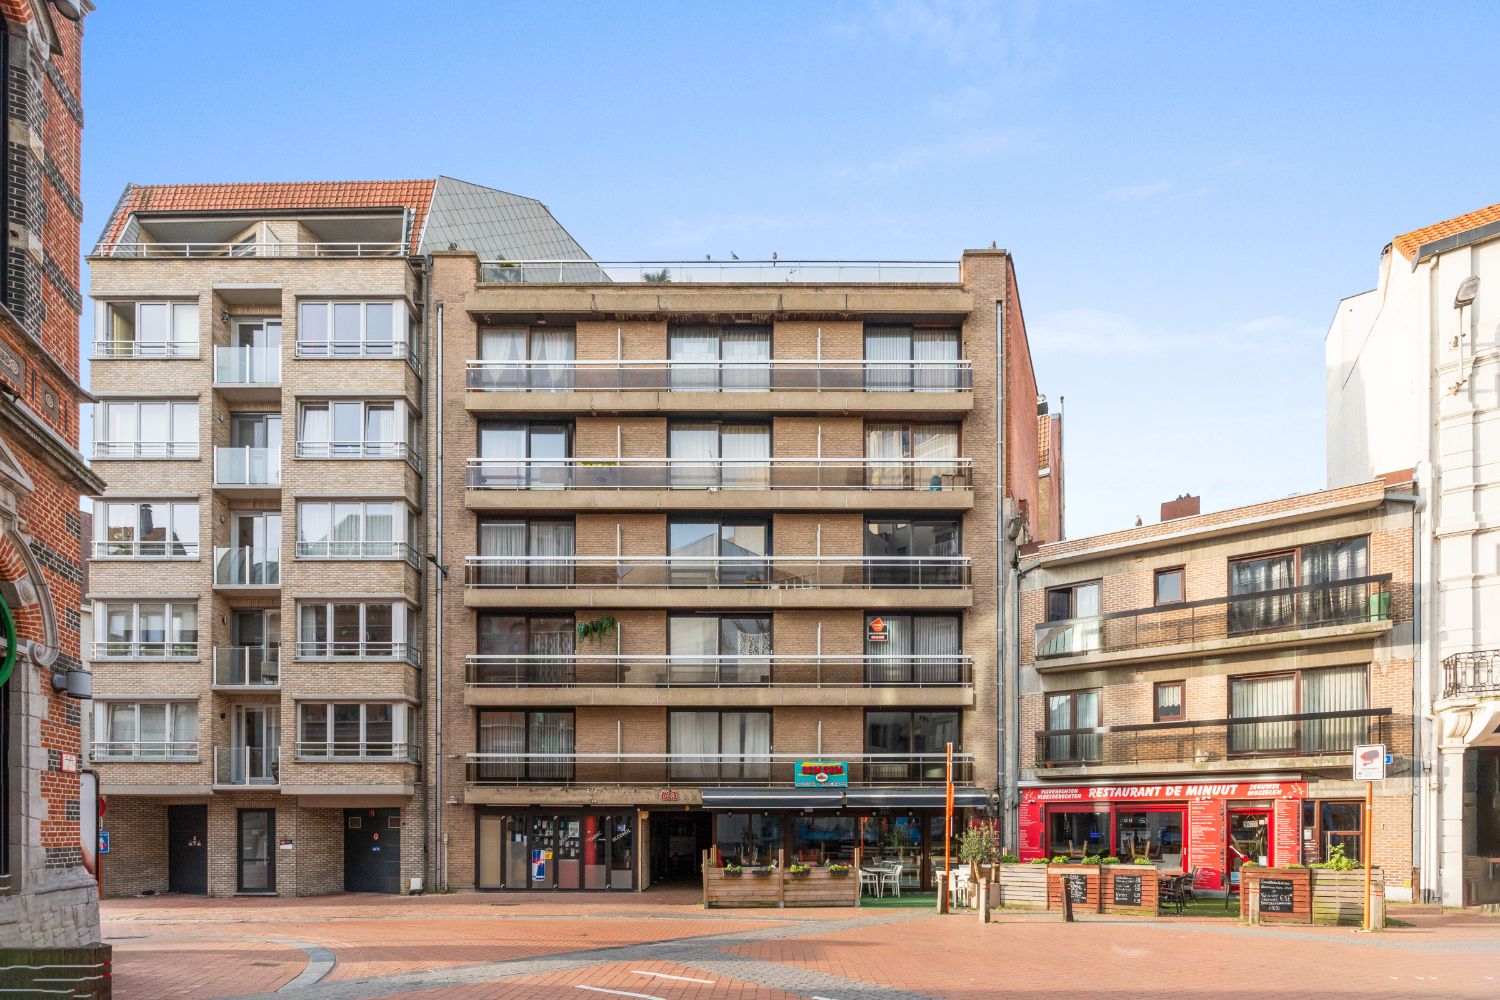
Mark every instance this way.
x=372 y=850
x=257 y=851
x=187 y=849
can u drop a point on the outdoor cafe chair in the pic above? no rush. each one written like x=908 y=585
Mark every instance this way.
x=890 y=875
x=1171 y=893
x=1187 y=886
x=870 y=878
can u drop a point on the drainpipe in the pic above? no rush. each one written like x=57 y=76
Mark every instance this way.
x=1419 y=827
x=1002 y=570
x=440 y=837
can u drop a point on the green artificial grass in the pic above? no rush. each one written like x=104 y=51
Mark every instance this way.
x=905 y=901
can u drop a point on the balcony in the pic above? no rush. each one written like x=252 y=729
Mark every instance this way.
x=128 y=549
x=247 y=471
x=812 y=483
x=242 y=767
x=354 y=651
x=1312 y=739
x=806 y=375
x=366 y=549
x=866 y=770
x=728 y=581
x=246 y=568
x=353 y=350
x=145 y=751
x=670 y=272
x=145 y=649
x=247 y=372
x=1472 y=675
x=340 y=450
x=1295 y=615
x=253 y=668
x=152 y=350
x=145 y=449
x=377 y=752
x=194 y=251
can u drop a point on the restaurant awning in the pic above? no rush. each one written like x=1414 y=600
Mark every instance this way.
x=914 y=798
x=772 y=798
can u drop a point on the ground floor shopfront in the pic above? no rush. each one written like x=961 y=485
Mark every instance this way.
x=1212 y=827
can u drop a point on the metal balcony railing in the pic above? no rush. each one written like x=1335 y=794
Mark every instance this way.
x=360 y=549
x=1473 y=673
x=145 y=649
x=247 y=466
x=145 y=449
x=340 y=349
x=145 y=750
x=247 y=366
x=1319 y=605
x=257 y=667
x=319 y=750
x=674 y=272
x=246 y=567
x=538 y=670
x=148 y=549
x=369 y=650
x=156 y=350
x=720 y=376
x=177 y=251
x=689 y=769
x=247 y=765
x=1308 y=734
x=351 y=449
x=739 y=572
x=719 y=474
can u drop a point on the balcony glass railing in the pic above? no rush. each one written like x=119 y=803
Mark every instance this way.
x=679 y=769
x=750 y=572
x=720 y=376
x=719 y=474
x=1320 y=605
x=242 y=567
x=717 y=272
x=247 y=667
x=239 y=765
x=149 y=549
x=367 y=751
x=145 y=750
x=247 y=366
x=145 y=649
x=247 y=466
x=1472 y=674
x=538 y=670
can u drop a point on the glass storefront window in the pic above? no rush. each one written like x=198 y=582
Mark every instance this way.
x=1077 y=834
x=820 y=839
x=747 y=838
x=1155 y=835
x=895 y=840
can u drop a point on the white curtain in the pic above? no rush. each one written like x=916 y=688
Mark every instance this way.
x=380 y=426
x=503 y=447
x=122 y=723
x=888 y=662
x=551 y=732
x=934 y=446
x=1258 y=697
x=741 y=445
x=695 y=639
x=185 y=723
x=185 y=326
x=345 y=538
x=315 y=425
x=503 y=542
x=934 y=346
x=380 y=529
x=553 y=349
x=747 y=733
x=694 y=448
x=1340 y=689
x=693 y=733
x=552 y=540
x=932 y=636
x=746 y=354
x=503 y=348
x=153 y=730
x=888 y=344
x=885 y=446
x=1347 y=559
x=694 y=354
x=1252 y=576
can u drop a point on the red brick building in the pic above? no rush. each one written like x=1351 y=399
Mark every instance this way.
x=47 y=893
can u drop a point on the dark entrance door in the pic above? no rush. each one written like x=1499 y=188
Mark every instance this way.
x=187 y=849
x=257 y=851
x=678 y=840
x=372 y=850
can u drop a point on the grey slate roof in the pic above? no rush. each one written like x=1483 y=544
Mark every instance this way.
x=499 y=225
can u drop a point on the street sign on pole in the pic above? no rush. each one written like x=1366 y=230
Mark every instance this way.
x=1369 y=767
x=1369 y=762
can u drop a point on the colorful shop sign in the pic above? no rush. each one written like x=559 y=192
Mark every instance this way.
x=821 y=774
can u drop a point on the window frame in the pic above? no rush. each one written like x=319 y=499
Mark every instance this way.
x=397 y=548
x=183 y=341
x=527 y=770
x=103 y=716
x=102 y=642
x=398 y=742
x=103 y=544
x=329 y=349
x=1156 y=576
x=1156 y=711
x=402 y=420
x=1075 y=740
x=171 y=449
x=762 y=772
x=401 y=647
x=1296 y=748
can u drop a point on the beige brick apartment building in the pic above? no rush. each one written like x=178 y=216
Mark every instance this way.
x=258 y=565
x=1191 y=690
x=725 y=550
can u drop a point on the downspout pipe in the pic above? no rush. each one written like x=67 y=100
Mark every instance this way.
x=439 y=575
x=1420 y=829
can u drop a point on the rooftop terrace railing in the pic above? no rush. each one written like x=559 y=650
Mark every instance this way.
x=179 y=251
x=672 y=272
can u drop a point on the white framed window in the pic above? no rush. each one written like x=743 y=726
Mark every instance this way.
x=145 y=330
x=352 y=629
x=354 y=428
x=146 y=428
x=341 y=329
x=353 y=529
x=145 y=730
x=371 y=730
x=154 y=630
x=145 y=529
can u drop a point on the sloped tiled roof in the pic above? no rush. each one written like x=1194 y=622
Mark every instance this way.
x=1408 y=244
x=497 y=225
x=414 y=195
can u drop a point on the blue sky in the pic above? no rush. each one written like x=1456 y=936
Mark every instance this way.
x=1188 y=188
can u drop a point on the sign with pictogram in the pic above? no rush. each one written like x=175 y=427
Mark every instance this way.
x=877 y=632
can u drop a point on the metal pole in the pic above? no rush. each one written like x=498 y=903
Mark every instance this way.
x=1364 y=843
x=947 y=836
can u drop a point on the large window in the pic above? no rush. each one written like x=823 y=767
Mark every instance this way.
x=336 y=629
x=351 y=330
x=520 y=357
x=521 y=455
x=1329 y=824
x=719 y=746
x=351 y=729
x=145 y=329
x=715 y=453
x=146 y=429
x=903 y=456
x=719 y=649
x=909 y=734
x=353 y=429
x=350 y=529
x=748 y=838
x=913 y=552
x=728 y=358
x=1303 y=587
x=1077 y=833
x=521 y=650
x=1072 y=710
x=535 y=553
x=1329 y=690
x=145 y=529
x=1075 y=608
x=916 y=649
x=146 y=630
x=908 y=359
x=154 y=730
x=725 y=552
x=511 y=734
x=1155 y=834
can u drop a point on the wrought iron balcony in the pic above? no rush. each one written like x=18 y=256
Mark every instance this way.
x=719 y=474
x=1201 y=741
x=253 y=667
x=810 y=375
x=719 y=671
x=694 y=770
x=738 y=572
x=1474 y=673
x=1314 y=606
x=247 y=765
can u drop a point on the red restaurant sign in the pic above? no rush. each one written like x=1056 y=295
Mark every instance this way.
x=1168 y=793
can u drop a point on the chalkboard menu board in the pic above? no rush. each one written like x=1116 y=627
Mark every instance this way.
x=1076 y=886
x=1275 y=895
x=1127 y=890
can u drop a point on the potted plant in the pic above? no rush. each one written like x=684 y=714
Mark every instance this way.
x=597 y=628
x=837 y=870
x=977 y=847
x=797 y=870
x=733 y=870
x=1141 y=861
x=763 y=872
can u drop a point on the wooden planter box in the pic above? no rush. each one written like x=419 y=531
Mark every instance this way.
x=1021 y=887
x=1083 y=881
x=1339 y=897
x=1276 y=895
x=818 y=887
x=1133 y=889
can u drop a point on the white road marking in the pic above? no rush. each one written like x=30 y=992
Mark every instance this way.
x=619 y=993
x=663 y=975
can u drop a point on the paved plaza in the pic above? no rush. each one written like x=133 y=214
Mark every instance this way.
x=664 y=945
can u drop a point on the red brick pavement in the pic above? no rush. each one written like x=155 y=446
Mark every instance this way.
x=164 y=969
x=625 y=977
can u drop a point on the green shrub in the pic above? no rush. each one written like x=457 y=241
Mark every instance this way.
x=1061 y=859
x=1337 y=861
x=1110 y=860
x=1142 y=861
x=1009 y=859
